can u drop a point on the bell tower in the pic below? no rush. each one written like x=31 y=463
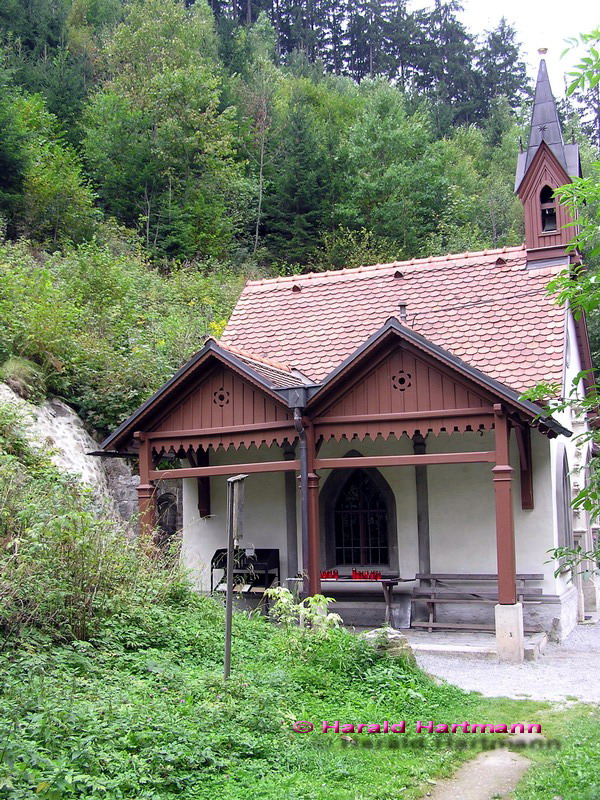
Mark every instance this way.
x=546 y=164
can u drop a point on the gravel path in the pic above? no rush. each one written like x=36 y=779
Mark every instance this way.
x=562 y=672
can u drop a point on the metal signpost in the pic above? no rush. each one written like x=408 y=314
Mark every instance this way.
x=235 y=512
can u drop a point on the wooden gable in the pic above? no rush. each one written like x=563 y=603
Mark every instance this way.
x=403 y=383
x=222 y=409
x=402 y=392
x=222 y=400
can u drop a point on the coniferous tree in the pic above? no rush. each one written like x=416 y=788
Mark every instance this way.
x=49 y=45
x=368 y=26
x=401 y=37
x=13 y=161
x=292 y=218
x=333 y=38
x=444 y=65
x=501 y=71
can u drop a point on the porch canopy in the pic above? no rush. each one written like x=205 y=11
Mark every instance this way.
x=396 y=383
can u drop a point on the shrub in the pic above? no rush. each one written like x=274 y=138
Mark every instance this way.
x=64 y=566
x=24 y=377
x=106 y=328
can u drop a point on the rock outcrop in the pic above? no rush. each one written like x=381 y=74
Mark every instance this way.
x=56 y=428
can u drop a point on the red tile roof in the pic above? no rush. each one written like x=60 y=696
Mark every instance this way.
x=486 y=308
x=279 y=375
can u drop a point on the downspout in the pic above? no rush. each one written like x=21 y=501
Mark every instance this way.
x=303 y=453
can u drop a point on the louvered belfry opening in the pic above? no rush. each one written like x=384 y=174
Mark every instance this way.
x=361 y=523
x=548 y=210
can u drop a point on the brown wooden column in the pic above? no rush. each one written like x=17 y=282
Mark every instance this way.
x=146 y=490
x=422 y=492
x=505 y=533
x=314 y=535
x=523 y=437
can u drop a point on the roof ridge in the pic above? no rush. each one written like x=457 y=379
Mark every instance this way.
x=330 y=273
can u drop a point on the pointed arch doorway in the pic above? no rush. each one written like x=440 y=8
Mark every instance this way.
x=358 y=517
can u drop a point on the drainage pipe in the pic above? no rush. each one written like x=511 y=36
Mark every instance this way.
x=303 y=454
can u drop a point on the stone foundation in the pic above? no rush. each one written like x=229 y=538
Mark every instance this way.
x=509 y=632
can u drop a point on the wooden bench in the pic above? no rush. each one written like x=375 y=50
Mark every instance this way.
x=438 y=588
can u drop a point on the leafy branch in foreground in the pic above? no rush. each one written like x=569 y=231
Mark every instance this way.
x=585 y=405
x=586 y=74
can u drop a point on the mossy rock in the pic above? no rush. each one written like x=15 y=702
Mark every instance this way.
x=393 y=643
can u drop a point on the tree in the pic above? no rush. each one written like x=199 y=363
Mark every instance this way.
x=293 y=206
x=257 y=96
x=158 y=144
x=253 y=92
x=392 y=185
x=13 y=160
x=44 y=194
x=444 y=64
x=403 y=44
x=58 y=204
x=502 y=72
x=585 y=112
x=50 y=45
x=368 y=22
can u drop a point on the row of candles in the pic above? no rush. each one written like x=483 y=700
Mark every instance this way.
x=357 y=574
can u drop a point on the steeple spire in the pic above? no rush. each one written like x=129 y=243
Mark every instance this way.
x=545 y=127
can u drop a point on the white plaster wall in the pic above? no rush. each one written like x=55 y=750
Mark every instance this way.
x=264 y=513
x=461 y=507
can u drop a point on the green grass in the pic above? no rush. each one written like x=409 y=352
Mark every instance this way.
x=573 y=772
x=142 y=712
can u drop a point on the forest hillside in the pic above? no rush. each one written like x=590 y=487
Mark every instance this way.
x=155 y=153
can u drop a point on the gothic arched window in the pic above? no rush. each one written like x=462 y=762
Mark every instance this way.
x=361 y=523
x=548 y=210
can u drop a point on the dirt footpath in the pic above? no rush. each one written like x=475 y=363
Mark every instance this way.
x=494 y=774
